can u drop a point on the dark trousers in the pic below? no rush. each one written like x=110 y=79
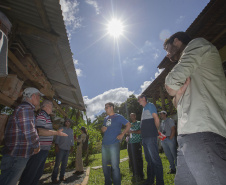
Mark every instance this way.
x=201 y=159
x=34 y=168
x=136 y=159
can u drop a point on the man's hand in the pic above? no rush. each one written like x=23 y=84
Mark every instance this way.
x=103 y=128
x=120 y=136
x=181 y=91
x=60 y=133
x=36 y=150
x=56 y=148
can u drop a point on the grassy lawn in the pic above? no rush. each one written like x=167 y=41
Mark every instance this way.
x=97 y=176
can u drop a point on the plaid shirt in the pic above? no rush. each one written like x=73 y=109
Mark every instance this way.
x=136 y=138
x=20 y=134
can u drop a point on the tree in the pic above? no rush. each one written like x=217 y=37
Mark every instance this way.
x=131 y=105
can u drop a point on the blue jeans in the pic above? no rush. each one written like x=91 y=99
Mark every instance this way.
x=11 y=169
x=201 y=159
x=110 y=161
x=170 y=149
x=154 y=167
x=61 y=156
x=34 y=168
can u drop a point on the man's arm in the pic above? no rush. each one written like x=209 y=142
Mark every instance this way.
x=191 y=59
x=103 y=129
x=120 y=136
x=156 y=119
x=135 y=131
x=177 y=94
x=46 y=132
x=173 y=132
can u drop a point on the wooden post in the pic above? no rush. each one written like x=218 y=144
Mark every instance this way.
x=162 y=97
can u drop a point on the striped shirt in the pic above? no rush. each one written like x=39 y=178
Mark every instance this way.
x=21 y=137
x=43 y=121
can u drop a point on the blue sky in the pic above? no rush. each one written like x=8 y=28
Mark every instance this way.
x=110 y=69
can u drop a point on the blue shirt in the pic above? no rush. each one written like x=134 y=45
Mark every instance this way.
x=65 y=142
x=148 y=128
x=114 y=125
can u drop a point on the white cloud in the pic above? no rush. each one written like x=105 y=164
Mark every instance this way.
x=180 y=19
x=158 y=72
x=96 y=104
x=94 y=4
x=75 y=62
x=78 y=71
x=70 y=9
x=140 y=68
x=145 y=85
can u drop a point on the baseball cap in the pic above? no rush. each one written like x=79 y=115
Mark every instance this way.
x=31 y=90
x=164 y=112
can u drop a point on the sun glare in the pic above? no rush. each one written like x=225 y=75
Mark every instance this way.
x=115 y=28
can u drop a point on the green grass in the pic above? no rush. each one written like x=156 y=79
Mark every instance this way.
x=97 y=176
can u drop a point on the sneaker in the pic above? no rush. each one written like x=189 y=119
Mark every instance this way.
x=172 y=171
x=54 y=181
x=63 y=179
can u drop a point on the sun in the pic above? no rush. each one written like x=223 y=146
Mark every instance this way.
x=115 y=28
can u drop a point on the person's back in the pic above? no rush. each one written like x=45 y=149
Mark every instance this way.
x=16 y=143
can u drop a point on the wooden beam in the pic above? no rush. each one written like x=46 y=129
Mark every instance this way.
x=42 y=12
x=71 y=104
x=162 y=97
x=61 y=85
x=219 y=35
x=5 y=100
x=47 y=91
x=58 y=108
x=20 y=66
x=27 y=29
x=170 y=103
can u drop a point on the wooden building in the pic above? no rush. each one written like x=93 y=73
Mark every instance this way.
x=211 y=25
x=39 y=54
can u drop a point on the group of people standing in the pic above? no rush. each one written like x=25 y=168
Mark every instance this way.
x=198 y=85
x=28 y=140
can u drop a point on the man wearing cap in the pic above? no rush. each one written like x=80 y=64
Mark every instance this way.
x=168 y=128
x=35 y=165
x=63 y=146
x=21 y=138
x=149 y=133
x=111 y=144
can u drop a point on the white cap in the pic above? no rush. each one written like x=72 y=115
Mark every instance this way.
x=31 y=90
x=164 y=112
